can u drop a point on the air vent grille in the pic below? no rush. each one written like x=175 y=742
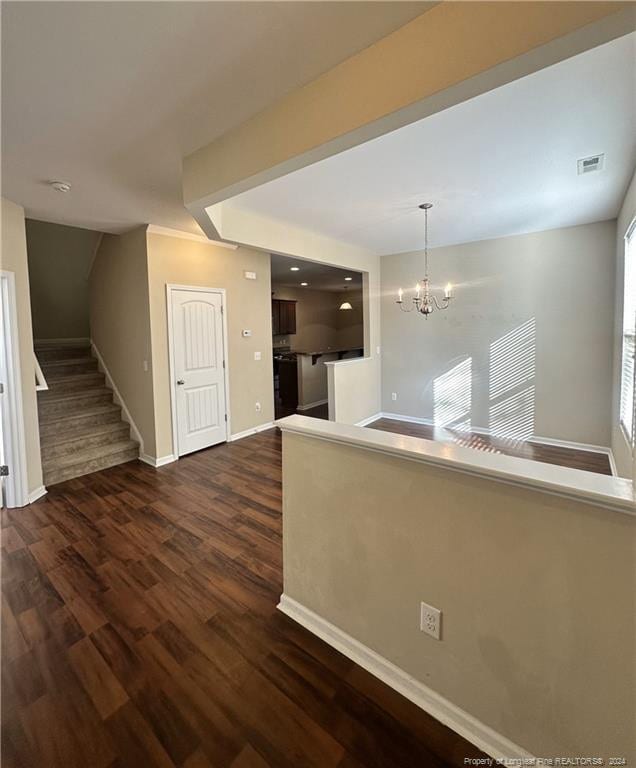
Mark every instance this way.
x=590 y=164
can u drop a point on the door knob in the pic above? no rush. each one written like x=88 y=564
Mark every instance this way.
x=180 y=381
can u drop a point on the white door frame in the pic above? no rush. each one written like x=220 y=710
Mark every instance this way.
x=170 y=287
x=14 y=437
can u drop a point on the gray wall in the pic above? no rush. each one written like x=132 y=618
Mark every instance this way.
x=526 y=346
x=60 y=260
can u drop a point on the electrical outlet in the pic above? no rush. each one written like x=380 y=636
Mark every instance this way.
x=393 y=395
x=257 y=355
x=431 y=620
x=258 y=407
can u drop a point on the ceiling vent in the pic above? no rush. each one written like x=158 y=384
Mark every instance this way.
x=589 y=164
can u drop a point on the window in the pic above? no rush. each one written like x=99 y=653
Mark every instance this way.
x=629 y=334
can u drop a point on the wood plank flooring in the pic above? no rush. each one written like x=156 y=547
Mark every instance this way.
x=139 y=629
x=549 y=454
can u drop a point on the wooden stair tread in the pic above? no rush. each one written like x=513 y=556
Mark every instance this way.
x=53 y=396
x=91 y=410
x=88 y=455
x=82 y=432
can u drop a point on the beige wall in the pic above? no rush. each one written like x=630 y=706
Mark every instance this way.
x=625 y=461
x=538 y=632
x=60 y=259
x=562 y=279
x=14 y=259
x=120 y=324
x=187 y=262
x=319 y=322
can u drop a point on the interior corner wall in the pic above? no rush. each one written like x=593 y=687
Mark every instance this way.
x=174 y=260
x=120 y=324
x=60 y=259
x=14 y=259
x=531 y=326
x=623 y=455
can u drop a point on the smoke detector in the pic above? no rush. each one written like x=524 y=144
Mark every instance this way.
x=61 y=186
x=589 y=164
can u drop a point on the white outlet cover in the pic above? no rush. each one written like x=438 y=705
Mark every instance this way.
x=393 y=395
x=258 y=407
x=431 y=620
x=257 y=355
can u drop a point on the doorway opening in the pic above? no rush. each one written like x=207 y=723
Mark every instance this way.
x=317 y=317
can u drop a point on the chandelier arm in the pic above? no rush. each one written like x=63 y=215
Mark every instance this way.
x=444 y=305
x=401 y=305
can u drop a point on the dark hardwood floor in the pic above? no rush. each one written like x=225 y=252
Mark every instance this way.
x=139 y=629
x=565 y=457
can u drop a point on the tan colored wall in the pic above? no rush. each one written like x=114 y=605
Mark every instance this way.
x=14 y=259
x=60 y=259
x=350 y=323
x=319 y=322
x=625 y=460
x=539 y=636
x=186 y=262
x=120 y=324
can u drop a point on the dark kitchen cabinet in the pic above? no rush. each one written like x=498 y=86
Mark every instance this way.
x=283 y=317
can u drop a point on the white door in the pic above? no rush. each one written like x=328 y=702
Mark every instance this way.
x=199 y=374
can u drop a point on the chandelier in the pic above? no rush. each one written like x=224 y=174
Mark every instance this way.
x=424 y=301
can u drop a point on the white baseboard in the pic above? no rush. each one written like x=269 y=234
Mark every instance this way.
x=160 y=462
x=534 y=439
x=248 y=432
x=118 y=398
x=482 y=736
x=308 y=406
x=37 y=494
x=368 y=420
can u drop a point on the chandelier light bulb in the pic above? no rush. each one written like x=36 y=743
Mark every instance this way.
x=424 y=301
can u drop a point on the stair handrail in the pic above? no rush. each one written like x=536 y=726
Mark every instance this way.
x=40 y=381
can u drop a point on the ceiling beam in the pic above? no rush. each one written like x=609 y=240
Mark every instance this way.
x=452 y=52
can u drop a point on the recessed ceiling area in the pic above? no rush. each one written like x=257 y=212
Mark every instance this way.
x=503 y=163
x=110 y=96
x=292 y=273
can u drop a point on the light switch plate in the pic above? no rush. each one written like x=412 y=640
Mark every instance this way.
x=257 y=355
x=250 y=275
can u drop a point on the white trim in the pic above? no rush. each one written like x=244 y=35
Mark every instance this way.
x=249 y=432
x=369 y=420
x=473 y=730
x=348 y=360
x=612 y=462
x=160 y=462
x=78 y=341
x=154 y=229
x=311 y=405
x=40 y=380
x=16 y=484
x=226 y=377
x=603 y=491
x=484 y=431
x=37 y=494
x=119 y=400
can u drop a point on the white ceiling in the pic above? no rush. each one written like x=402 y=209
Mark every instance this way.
x=111 y=95
x=319 y=276
x=500 y=164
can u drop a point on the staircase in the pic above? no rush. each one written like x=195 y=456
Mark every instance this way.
x=81 y=429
